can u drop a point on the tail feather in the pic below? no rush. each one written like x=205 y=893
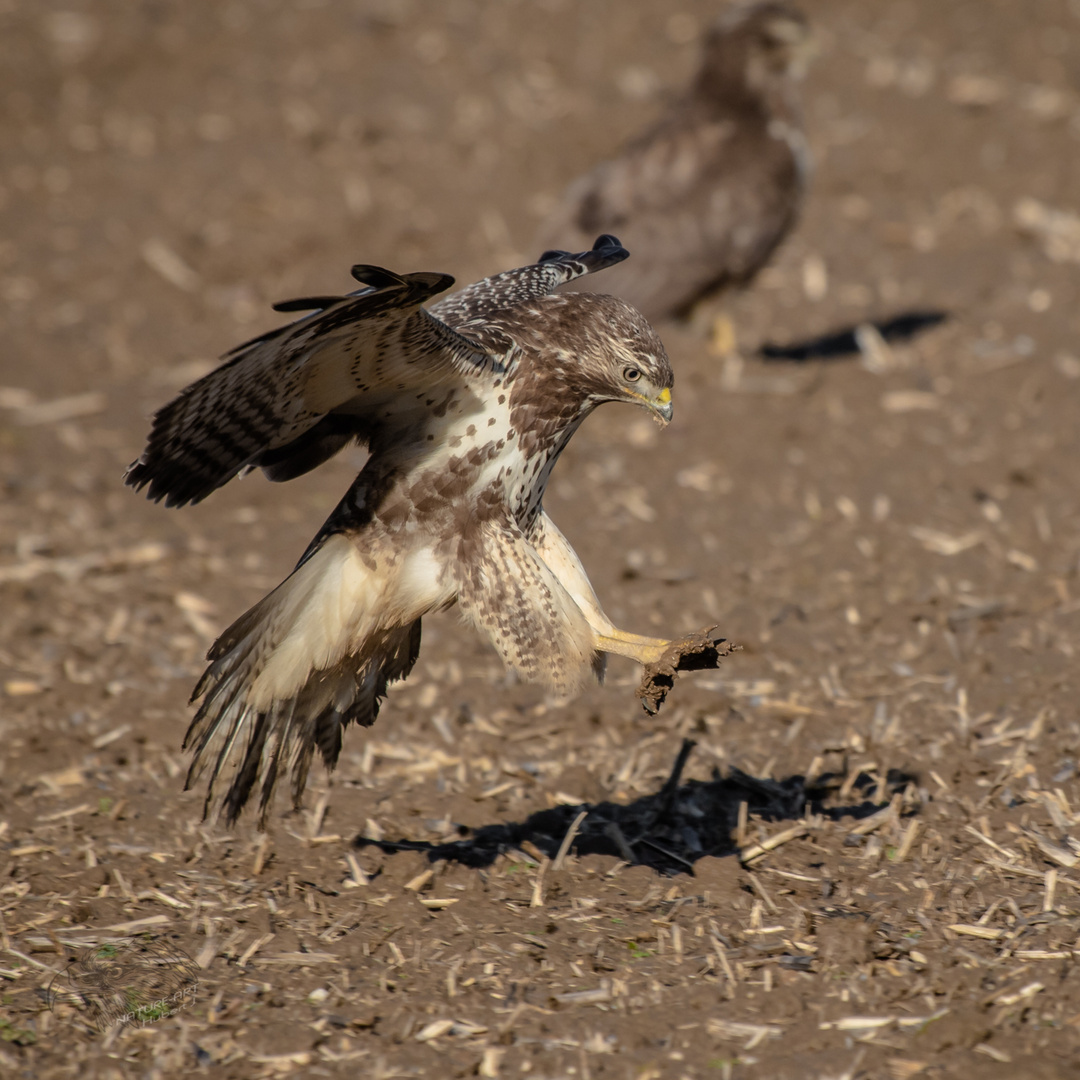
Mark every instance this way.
x=289 y=676
x=248 y=773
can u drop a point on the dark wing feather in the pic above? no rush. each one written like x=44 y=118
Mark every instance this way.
x=291 y=398
x=318 y=444
x=308 y=303
x=467 y=309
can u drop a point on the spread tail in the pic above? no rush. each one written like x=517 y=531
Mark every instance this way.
x=289 y=675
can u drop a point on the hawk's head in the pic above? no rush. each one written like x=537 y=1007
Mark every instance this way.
x=618 y=355
x=755 y=47
x=582 y=349
x=628 y=362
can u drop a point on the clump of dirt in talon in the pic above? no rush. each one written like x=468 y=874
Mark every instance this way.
x=699 y=651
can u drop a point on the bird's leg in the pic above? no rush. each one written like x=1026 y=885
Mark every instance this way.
x=645 y=650
x=559 y=556
x=722 y=339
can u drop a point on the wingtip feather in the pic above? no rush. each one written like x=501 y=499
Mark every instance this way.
x=607 y=250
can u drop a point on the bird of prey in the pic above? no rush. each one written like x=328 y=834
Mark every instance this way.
x=706 y=194
x=464 y=407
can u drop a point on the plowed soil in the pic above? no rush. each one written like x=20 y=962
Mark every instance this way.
x=866 y=867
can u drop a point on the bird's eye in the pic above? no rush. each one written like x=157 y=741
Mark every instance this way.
x=631 y=374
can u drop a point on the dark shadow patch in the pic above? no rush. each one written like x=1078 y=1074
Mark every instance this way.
x=668 y=831
x=841 y=343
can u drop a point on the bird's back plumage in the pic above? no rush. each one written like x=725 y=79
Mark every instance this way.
x=704 y=196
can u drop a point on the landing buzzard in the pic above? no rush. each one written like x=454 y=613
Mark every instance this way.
x=704 y=196
x=464 y=407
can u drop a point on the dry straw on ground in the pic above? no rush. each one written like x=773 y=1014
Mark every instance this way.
x=867 y=866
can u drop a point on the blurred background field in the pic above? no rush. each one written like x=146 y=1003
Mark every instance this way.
x=894 y=538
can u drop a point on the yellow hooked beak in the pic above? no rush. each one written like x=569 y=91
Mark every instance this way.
x=662 y=406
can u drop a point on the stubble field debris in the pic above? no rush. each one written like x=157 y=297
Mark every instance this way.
x=895 y=550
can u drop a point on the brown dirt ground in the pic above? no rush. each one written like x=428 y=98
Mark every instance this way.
x=897 y=552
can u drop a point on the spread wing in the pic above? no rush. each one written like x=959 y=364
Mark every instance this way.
x=289 y=400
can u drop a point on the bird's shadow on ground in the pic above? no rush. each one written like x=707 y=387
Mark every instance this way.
x=844 y=341
x=668 y=831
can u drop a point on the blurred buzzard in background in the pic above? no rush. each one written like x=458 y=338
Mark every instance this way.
x=465 y=408
x=704 y=196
